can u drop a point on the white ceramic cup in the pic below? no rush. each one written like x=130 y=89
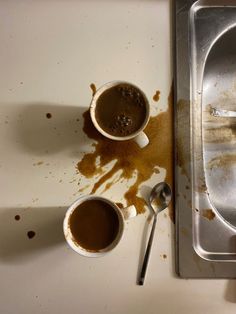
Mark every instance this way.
x=139 y=136
x=123 y=214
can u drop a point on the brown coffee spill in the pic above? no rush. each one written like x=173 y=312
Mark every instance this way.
x=17 y=217
x=48 y=115
x=156 y=97
x=208 y=213
x=130 y=158
x=30 y=234
x=93 y=88
x=164 y=256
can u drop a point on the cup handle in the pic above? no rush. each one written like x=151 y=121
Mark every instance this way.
x=129 y=212
x=141 y=139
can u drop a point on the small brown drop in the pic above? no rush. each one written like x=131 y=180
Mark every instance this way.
x=48 y=115
x=164 y=256
x=156 y=97
x=17 y=217
x=30 y=234
x=93 y=88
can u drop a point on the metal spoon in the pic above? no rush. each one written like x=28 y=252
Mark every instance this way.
x=223 y=113
x=160 y=197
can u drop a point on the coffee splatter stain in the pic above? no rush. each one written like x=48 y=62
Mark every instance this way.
x=223 y=161
x=48 y=115
x=39 y=163
x=208 y=213
x=129 y=159
x=30 y=234
x=156 y=97
x=164 y=256
x=93 y=88
x=201 y=188
x=17 y=217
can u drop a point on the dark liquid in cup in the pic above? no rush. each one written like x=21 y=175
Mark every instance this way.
x=121 y=110
x=94 y=225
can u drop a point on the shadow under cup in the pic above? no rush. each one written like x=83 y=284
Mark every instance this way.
x=72 y=241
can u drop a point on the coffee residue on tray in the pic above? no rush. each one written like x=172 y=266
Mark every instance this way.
x=156 y=97
x=223 y=161
x=93 y=88
x=129 y=159
x=208 y=213
x=183 y=138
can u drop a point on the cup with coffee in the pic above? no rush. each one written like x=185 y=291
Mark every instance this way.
x=120 y=111
x=94 y=225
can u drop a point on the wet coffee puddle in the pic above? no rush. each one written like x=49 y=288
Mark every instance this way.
x=129 y=158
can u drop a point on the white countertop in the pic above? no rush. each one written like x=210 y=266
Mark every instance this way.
x=51 y=51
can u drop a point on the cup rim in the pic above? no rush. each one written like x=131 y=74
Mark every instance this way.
x=72 y=242
x=95 y=97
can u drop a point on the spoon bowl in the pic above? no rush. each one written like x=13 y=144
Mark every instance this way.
x=160 y=197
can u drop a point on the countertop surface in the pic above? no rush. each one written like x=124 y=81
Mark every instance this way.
x=51 y=52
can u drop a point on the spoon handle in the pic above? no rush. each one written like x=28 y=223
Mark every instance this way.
x=147 y=254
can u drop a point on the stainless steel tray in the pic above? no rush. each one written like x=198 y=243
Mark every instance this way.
x=206 y=154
